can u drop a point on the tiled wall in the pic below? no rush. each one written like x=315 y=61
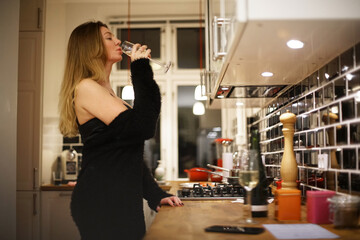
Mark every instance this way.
x=76 y=144
x=327 y=109
x=53 y=144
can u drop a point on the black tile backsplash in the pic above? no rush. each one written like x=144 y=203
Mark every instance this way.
x=347 y=60
x=327 y=109
x=340 y=88
x=348 y=109
x=73 y=143
x=75 y=139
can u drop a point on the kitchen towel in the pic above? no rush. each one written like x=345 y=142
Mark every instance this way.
x=299 y=231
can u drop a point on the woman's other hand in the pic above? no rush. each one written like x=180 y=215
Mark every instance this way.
x=172 y=201
x=139 y=51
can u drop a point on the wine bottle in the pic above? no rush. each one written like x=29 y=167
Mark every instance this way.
x=259 y=194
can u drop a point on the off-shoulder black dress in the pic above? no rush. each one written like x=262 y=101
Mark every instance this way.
x=107 y=201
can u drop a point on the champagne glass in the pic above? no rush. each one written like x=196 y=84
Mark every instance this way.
x=248 y=177
x=127 y=48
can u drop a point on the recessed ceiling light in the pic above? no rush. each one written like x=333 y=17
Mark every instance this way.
x=267 y=74
x=295 y=44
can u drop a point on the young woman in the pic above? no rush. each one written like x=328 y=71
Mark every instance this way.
x=107 y=202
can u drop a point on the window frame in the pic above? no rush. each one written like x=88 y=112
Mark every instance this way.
x=174 y=27
x=140 y=25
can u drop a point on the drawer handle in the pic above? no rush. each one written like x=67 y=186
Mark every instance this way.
x=39 y=18
x=34 y=204
x=34 y=178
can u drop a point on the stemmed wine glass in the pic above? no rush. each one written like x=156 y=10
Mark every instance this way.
x=127 y=47
x=248 y=167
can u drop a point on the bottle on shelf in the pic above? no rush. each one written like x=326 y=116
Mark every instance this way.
x=260 y=193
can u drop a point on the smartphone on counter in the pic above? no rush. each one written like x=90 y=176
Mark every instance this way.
x=234 y=229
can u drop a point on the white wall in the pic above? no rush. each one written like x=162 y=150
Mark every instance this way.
x=9 y=28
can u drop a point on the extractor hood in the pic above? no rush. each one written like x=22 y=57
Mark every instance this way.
x=257 y=43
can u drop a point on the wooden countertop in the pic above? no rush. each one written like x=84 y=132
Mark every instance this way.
x=189 y=221
x=66 y=187
x=52 y=187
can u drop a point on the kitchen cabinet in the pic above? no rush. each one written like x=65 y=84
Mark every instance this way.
x=29 y=110
x=27 y=215
x=255 y=37
x=32 y=15
x=65 y=191
x=29 y=119
x=56 y=220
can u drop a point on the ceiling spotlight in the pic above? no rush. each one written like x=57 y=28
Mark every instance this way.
x=267 y=74
x=295 y=44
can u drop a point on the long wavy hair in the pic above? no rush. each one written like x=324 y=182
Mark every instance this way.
x=86 y=56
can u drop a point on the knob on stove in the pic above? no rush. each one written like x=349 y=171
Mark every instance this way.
x=185 y=192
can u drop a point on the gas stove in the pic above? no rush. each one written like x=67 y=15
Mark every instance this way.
x=219 y=191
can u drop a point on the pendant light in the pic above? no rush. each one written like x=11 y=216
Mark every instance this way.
x=199 y=93
x=198 y=108
x=127 y=92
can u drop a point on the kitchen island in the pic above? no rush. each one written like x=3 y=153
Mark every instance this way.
x=188 y=222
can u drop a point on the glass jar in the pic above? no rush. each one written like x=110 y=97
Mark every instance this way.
x=345 y=211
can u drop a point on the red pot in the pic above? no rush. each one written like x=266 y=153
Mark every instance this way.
x=196 y=176
x=215 y=177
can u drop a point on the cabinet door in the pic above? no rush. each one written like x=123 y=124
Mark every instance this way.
x=27 y=215
x=29 y=110
x=56 y=220
x=32 y=15
x=220 y=19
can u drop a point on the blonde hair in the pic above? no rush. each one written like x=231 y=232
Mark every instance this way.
x=86 y=56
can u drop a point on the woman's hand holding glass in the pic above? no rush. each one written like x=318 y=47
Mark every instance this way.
x=136 y=51
x=139 y=51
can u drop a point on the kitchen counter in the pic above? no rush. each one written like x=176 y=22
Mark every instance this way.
x=189 y=221
x=66 y=187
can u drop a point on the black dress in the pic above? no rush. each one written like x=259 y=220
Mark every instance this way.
x=107 y=201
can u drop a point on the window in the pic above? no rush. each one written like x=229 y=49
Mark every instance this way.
x=146 y=36
x=196 y=134
x=152 y=145
x=188 y=47
x=178 y=41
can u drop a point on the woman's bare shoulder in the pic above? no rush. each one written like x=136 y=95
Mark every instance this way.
x=87 y=91
x=87 y=84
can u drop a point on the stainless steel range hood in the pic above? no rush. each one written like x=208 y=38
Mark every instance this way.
x=249 y=91
x=255 y=42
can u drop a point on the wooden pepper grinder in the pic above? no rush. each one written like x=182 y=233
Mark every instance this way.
x=288 y=170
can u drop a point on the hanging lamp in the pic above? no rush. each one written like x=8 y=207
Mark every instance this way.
x=127 y=92
x=198 y=107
